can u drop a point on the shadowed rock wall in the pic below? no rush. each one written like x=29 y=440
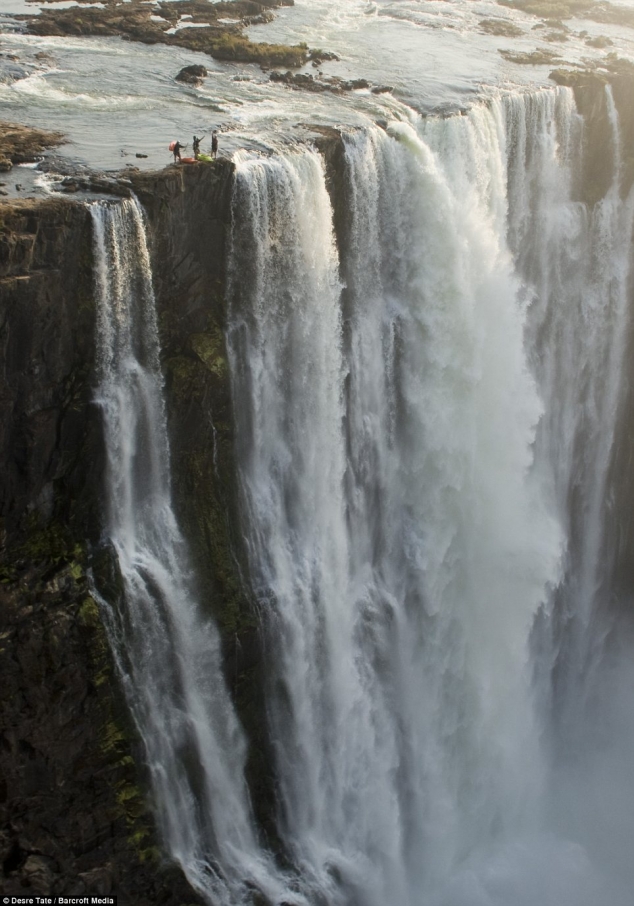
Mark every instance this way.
x=189 y=214
x=590 y=96
x=73 y=817
x=595 y=180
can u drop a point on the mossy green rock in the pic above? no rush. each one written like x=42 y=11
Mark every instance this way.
x=135 y=20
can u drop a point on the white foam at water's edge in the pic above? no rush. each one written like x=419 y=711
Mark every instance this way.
x=39 y=87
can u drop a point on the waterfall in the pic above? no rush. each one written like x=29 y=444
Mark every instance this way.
x=425 y=413
x=167 y=651
x=427 y=390
x=391 y=516
x=576 y=264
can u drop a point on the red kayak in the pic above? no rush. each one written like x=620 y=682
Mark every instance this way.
x=188 y=160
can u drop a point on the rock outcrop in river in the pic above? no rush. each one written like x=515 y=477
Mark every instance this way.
x=219 y=33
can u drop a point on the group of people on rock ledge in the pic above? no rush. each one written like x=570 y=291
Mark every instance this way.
x=176 y=148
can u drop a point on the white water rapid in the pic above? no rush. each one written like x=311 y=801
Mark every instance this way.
x=416 y=405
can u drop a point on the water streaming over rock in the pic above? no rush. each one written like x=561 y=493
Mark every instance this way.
x=167 y=650
x=576 y=263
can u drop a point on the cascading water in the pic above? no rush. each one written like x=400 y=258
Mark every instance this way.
x=576 y=263
x=406 y=493
x=167 y=651
x=425 y=407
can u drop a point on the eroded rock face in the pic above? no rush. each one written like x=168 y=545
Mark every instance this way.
x=73 y=817
x=188 y=212
x=51 y=502
x=87 y=825
x=46 y=350
x=592 y=102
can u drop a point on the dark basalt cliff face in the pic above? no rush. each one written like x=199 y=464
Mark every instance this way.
x=73 y=819
x=188 y=213
x=74 y=813
x=593 y=183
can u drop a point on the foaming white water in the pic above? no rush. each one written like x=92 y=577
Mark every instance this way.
x=576 y=260
x=39 y=87
x=285 y=348
x=167 y=650
x=469 y=545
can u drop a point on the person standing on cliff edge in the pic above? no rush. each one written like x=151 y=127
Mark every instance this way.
x=176 y=148
x=214 y=144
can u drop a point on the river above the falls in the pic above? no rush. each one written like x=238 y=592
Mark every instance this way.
x=116 y=99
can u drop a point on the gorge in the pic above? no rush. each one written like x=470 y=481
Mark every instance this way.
x=316 y=510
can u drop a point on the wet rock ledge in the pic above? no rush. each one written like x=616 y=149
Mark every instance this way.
x=24 y=144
